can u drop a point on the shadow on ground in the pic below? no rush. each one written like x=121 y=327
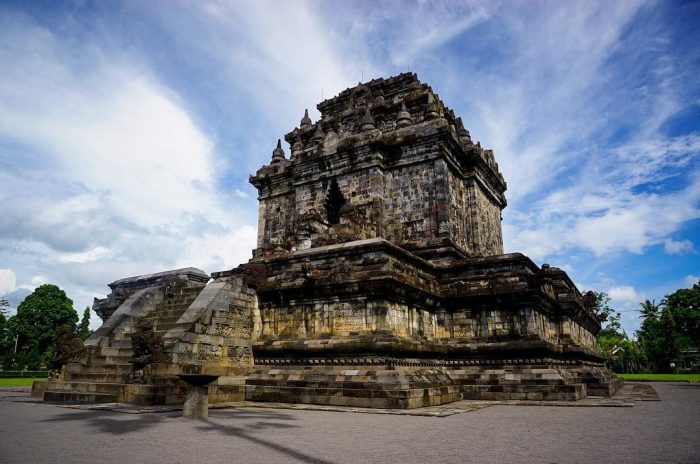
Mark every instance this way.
x=111 y=422
x=244 y=431
x=250 y=421
x=695 y=385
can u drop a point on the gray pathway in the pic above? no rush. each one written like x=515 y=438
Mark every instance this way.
x=651 y=431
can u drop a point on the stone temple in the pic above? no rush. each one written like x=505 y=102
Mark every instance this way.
x=379 y=280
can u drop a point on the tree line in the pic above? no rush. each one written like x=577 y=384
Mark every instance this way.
x=26 y=338
x=668 y=335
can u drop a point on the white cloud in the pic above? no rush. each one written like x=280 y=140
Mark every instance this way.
x=548 y=111
x=109 y=174
x=691 y=280
x=605 y=212
x=129 y=139
x=413 y=33
x=219 y=251
x=625 y=294
x=290 y=57
x=39 y=280
x=678 y=247
x=546 y=98
x=86 y=256
x=8 y=281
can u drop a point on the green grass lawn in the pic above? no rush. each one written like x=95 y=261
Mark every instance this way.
x=18 y=382
x=662 y=377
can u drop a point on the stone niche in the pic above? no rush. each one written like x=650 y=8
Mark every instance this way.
x=378 y=280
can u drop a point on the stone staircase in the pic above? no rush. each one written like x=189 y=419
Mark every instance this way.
x=599 y=381
x=342 y=386
x=169 y=311
x=549 y=380
x=101 y=374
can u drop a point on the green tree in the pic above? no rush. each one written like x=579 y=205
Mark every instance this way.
x=611 y=325
x=649 y=309
x=41 y=316
x=684 y=304
x=669 y=336
x=663 y=336
x=651 y=341
x=611 y=317
x=5 y=335
x=622 y=354
x=83 y=331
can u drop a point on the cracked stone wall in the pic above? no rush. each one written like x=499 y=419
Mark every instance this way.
x=404 y=165
x=410 y=205
x=573 y=333
x=484 y=221
x=218 y=328
x=474 y=216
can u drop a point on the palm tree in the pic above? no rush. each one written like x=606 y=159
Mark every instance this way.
x=650 y=310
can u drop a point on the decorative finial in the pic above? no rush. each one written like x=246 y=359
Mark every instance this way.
x=297 y=147
x=367 y=122
x=432 y=111
x=465 y=138
x=278 y=153
x=404 y=117
x=305 y=121
x=319 y=135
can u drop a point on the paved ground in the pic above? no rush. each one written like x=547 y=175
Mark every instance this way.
x=651 y=431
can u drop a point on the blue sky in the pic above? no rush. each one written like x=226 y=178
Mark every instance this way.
x=128 y=130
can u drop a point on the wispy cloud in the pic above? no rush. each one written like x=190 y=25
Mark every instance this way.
x=625 y=294
x=92 y=254
x=691 y=280
x=677 y=247
x=109 y=175
x=8 y=281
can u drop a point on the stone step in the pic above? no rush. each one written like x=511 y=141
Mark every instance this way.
x=124 y=343
x=116 y=351
x=123 y=352
x=161 y=318
x=97 y=377
x=169 y=310
x=85 y=387
x=80 y=397
x=75 y=368
x=408 y=398
x=162 y=328
x=176 y=303
x=164 y=313
x=167 y=320
x=111 y=359
x=569 y=392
